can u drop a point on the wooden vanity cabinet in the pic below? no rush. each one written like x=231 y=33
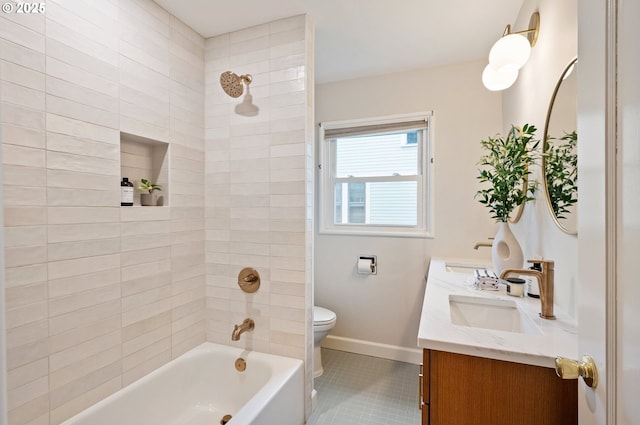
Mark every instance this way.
x=465 y=390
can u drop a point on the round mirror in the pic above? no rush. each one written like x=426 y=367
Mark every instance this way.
x=559 y=152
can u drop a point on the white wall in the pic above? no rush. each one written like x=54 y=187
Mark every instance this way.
x=527 y=101
x=385 y=308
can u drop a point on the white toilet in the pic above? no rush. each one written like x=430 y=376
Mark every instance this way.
x=323 y=321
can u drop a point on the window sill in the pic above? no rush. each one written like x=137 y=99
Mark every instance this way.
x=377 y=233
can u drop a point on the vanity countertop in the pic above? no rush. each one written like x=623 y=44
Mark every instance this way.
x=553 y=337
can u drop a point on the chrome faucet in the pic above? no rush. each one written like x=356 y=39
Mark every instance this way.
x=245 y=326
x=545 y=283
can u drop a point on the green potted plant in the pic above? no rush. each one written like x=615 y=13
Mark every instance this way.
x=506 y=165
x=147 y=196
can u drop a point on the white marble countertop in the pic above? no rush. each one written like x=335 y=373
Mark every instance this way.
x=556 y=337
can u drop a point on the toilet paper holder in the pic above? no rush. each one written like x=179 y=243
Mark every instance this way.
x=367 y=264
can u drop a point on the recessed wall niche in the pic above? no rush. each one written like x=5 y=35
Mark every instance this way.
x=143 y=158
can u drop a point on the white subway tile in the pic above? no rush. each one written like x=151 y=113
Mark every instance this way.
x=21 y=116
x=14 y=53
x=21 y=34
x=24 y=216
x=85 y=317
x=24 y=196
x=97 y=23
x=14 y=94
x=82 y=164
x=32 y=332
x=71 y=285
x=81 y=77
x=79 y=94
x=22 y=136
x=286 y=137
x=134 y=243
x=144 y=256
x=72 y=127
x=82 y=197
x=34 y=311
x=87 y=382
x=84 y=367
x=154 y=271
x=151 y=363
x=144 y=213
x=82 y=231
x=84 y=299
x=28 y=373
x=85 y=400
x=82 y=111
x=144 y=129
x=149 y=337
x=147 y=282
x=286 y=61
x=84 y=350
x=81 y=61
x=82 y=215
x=25 y=255
x=25 y=177
x=80 y=266
x=23 y=156
x=140 y=358
x=146 y=16
x=79 y=249
x=65 y=35
x=20 y=296
x=146 y=310
x=27 y=392
x=35 y=412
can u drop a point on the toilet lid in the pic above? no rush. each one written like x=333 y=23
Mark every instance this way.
x=322 y=316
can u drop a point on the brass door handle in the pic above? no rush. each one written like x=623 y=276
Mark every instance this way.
x=572 y=369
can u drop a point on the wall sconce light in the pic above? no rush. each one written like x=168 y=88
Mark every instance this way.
x=509 y=54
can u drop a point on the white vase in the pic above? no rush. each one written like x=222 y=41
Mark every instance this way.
x=505 y=251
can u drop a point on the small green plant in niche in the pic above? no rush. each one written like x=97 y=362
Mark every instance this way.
x=147 y=197
x=147 y=186
x=561 y=173
x=506 y=169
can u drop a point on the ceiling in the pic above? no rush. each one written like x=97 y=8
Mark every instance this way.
x=357 y=38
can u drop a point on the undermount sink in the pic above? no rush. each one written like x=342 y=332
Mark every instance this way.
x=490 y=313
x=466 y=268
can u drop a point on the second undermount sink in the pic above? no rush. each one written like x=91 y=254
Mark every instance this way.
x=490 y=313
x=459 y=267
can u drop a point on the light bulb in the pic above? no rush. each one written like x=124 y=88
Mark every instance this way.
x=510 y=53
x=498 y=80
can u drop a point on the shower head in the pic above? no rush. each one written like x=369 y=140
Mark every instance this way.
x=232 y=83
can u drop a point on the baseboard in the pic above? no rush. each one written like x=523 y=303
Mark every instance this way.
x=374 y=349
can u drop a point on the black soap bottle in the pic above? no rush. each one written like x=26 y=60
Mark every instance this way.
x=126 y=192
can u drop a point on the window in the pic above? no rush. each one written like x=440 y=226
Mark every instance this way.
x=375 y=177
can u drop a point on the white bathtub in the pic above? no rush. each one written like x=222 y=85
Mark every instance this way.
x=202 y=386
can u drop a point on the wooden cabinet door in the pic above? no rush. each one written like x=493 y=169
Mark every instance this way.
x=468 y=390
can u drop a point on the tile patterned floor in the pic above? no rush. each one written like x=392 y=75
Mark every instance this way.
x=363 y=390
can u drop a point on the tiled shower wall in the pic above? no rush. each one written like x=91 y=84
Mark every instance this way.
x=97 y=295
x=259 y=188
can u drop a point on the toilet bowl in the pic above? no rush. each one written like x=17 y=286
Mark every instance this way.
x=323 y=321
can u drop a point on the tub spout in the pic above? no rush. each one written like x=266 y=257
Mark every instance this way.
x=245 y=326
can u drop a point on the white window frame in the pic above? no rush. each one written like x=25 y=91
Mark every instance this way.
x=327 y=181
